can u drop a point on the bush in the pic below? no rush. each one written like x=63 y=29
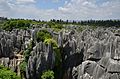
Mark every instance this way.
x=6 y=73
x=48 y=75
x=42 y=35
x=26 y=54
x=23 y=66
x=52 y=41
x=23 y=69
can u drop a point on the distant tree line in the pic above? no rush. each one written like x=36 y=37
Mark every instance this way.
x=104 y=23
x=9 y=24
x=3 y=19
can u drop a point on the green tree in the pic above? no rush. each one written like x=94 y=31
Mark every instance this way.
x=42 y=35
x=6 y=73
x=20 y=23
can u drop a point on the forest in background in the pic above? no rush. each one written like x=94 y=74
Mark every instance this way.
x=9 y=24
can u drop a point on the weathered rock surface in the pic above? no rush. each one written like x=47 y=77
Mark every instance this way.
x=91 y=54
x=101 y=55
x=42 y=58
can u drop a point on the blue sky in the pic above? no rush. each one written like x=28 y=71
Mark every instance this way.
x=61 y=9
x=49 y=4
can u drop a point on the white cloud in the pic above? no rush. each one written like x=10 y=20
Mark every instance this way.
x=89 y=9
x=73 y=10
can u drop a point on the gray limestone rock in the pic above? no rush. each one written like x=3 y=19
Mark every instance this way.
x=98 y=72
x=91 y=54
x=40 y=60
x=113 y=67
x=104 y=62
x=60 y=39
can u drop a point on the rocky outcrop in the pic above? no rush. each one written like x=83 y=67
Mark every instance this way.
x=12 y=45
x=12 y=42
x=90 y=54
x=71 y=57
x=101 y=55
x=42 y=58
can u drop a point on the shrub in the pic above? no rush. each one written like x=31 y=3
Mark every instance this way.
x=48 y=75
x=26 y=54
x=23 y=66
x=23 y=69
x=42 y=35
x=52 y=41
x=6 y=73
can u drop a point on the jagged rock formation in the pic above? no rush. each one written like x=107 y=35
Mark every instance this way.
x=42 y=58
x=11 y=44
x=90 y=54
x=71 y=57
x=101 y=55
